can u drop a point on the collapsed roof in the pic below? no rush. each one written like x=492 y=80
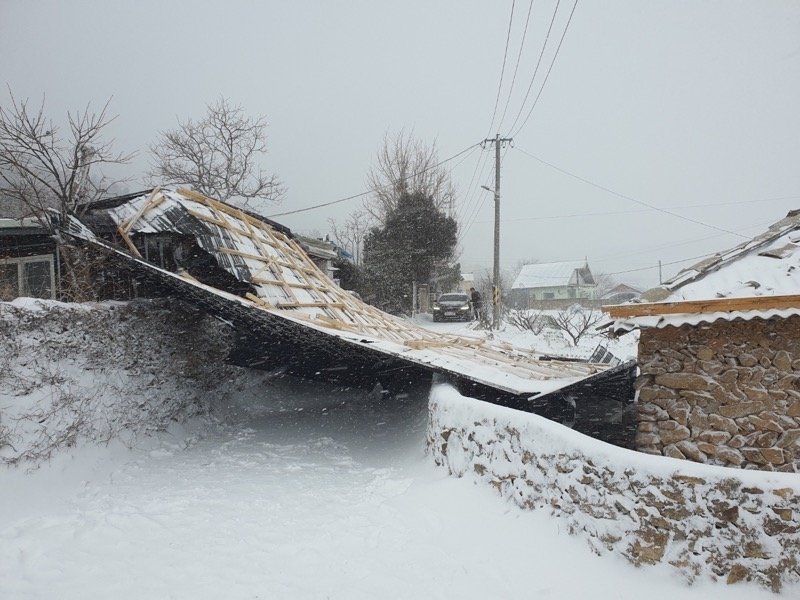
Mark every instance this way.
x=252 y=273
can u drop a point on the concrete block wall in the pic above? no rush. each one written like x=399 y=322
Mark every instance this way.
x=709 y=522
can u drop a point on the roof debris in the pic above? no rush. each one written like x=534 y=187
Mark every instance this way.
x=252 y=273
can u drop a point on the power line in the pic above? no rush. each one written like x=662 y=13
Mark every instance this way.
x=503 y=68
x=643 y=210
x=463 y=231
x=299 y=210
x=516 y=67
x=610 y=191
x=536 y=69
x=674 y=262
x=547 y=76
x=469 y=208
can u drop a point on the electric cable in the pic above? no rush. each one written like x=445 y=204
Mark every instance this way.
x=610 y=191
x=536 y=69
x=503 y=68
x=299 y=210
x=547 y=76
x=516 y=67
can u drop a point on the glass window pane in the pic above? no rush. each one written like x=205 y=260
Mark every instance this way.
x=37 y=279
x=9 y=282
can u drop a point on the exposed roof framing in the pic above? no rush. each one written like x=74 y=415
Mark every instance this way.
x=305 y=310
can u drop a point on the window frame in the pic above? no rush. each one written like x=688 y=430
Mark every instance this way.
x=21 y=262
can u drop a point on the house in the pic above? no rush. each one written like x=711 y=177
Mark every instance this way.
x=557 y=281
x=27 y=260
x=719 y=356
x=322 y=252
x=621 y=293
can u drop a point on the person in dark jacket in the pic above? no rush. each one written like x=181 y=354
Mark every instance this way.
x=477 y=303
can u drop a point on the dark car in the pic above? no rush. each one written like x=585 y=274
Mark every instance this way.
x=452 y=307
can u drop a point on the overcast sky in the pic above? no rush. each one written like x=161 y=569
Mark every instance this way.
x=665 y=130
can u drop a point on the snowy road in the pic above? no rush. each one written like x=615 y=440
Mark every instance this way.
x=307 y=493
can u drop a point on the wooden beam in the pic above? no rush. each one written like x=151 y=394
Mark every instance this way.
x=307 y=305
x=256 y=300
x=128 y=241
x=621 y=311
x=151 y=202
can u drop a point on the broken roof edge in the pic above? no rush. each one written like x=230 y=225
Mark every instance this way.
x=723 y=258
x=115 y=201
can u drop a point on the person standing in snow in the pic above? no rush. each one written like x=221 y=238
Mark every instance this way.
x=477 y=303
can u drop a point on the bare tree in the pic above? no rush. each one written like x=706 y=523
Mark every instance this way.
x=218 y=155
x=604 y=283
x=350 y=234
x=526 y=320
x=406 y=166
x=42 y=169
x=519 y=266
x=576 y=323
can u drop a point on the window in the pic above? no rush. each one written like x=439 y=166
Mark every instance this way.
x=9 y=281
x=31 y=276
x=549 y=295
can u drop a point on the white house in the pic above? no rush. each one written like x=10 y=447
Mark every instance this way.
x=570 y=280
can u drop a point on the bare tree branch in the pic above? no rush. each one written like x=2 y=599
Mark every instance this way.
x=217 y=155
x=40 y=169
x=350 y=234
x=576 y=323
x=406 y=166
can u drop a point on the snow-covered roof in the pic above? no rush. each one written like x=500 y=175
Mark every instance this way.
x=766 y=266
x=27 y=223
x=622 y=288
x=555 y=274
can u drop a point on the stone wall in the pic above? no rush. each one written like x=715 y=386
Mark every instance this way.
x=708 y=522
x=724 y=393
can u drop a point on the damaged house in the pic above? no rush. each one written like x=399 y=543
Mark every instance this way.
x=28 y=265
x=719 y=354
x=288 y=315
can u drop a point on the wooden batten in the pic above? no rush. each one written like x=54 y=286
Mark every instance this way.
x=151 y=202
x=622 y=311
x=131 y=246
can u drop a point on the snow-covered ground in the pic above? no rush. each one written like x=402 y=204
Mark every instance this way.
x=302 y=491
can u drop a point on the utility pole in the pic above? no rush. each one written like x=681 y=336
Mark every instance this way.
x=498 y=142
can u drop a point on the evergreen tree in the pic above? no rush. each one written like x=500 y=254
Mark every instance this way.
x=416 y=243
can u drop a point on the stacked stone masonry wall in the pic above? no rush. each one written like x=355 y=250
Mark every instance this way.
x=706 y=522
x=724 y=393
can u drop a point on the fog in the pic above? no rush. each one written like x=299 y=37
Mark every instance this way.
x=660 y=131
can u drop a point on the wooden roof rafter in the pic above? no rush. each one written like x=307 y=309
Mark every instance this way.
x=152 y=201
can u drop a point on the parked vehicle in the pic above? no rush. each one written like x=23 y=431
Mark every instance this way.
x=452 y=307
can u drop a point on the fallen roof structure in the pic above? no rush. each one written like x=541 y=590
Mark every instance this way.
x=252 y=273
